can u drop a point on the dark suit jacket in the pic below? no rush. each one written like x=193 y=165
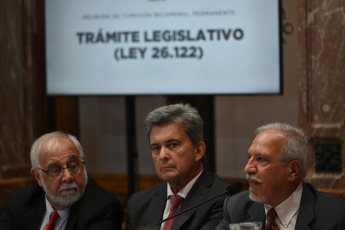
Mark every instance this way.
x=146 y=207
x=97 y=209
x=317 y=211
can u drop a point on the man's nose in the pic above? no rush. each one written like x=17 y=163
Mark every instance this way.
x=165 y=153
x=67 y=175
x=250 y=168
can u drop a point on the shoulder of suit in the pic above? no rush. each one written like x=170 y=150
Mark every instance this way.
x=97 y=199
x=96 y=193
x=213 y=179
x=149 y=192
x=241 y=197
x=323 y=197
x=28 y=191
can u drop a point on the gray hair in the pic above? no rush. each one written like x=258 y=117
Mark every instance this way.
x=296 y=145
x=50 y=140
x=189 y=116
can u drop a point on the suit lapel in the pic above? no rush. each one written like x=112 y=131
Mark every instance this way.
x=187 y=203
x=73 y=217
x=155 y=211
x=35 y=213
x=306 y=210
x=34 y=216
x=256 y=213
x=197 y=194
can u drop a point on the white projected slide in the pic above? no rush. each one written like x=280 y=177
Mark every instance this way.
x=162 y=47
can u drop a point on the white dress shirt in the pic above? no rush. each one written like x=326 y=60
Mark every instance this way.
x=287 y=210
x=61 y=220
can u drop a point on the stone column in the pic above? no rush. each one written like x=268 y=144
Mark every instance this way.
x=21 y=99
x=321 y=73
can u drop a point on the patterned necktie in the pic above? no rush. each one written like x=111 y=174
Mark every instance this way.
x=271 y=224
x=175 y=204
x=51 y=222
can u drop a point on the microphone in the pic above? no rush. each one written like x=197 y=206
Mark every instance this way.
x=230 y=190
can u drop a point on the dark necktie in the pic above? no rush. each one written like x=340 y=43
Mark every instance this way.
x=271 y=224
x=51 y=222
x=175 y=204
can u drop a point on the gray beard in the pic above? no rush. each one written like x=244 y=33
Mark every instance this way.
x=259 y=199
x=70 y=198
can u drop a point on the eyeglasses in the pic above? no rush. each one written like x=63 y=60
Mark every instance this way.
x=55 y=171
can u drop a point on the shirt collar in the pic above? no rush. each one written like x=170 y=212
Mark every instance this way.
x=63 y=213
x=185 y=190
x=287 y=209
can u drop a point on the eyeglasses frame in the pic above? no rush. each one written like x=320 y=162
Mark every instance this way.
x=63 y=168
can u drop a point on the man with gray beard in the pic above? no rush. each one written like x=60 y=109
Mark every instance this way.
x=64 y=197
x=278 y=197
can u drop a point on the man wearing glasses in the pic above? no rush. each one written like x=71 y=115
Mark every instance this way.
x=64 y=197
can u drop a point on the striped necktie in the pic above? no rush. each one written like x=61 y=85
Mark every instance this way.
x=51 y=222
x=175 y=204
x=271 y=224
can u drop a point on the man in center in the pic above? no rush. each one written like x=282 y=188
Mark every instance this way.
x=175 y=134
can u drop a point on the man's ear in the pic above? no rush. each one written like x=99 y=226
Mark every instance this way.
x=295 y=170
x=36 y=175
x=200 y=150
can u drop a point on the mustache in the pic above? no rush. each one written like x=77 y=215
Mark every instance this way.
x=68 y=186
x=248 y=177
